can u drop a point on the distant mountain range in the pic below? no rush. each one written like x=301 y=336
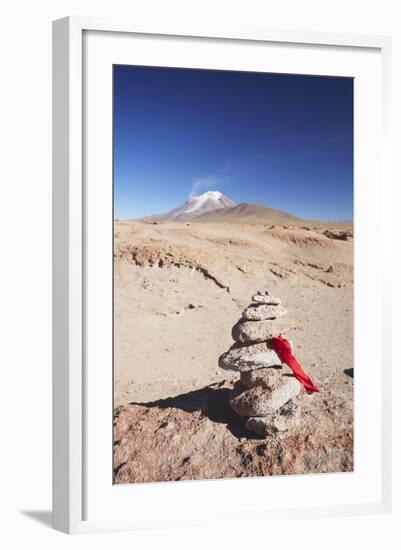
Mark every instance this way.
x=213 y=206
x=247 y=212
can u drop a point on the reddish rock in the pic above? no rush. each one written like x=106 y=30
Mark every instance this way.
x=197 y=436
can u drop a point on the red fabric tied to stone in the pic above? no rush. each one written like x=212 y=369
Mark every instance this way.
x=283 y=349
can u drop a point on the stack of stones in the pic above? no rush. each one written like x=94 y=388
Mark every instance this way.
x=266 y=392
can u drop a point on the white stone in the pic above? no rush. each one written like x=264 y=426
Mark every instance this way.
x=260 y=401
x=245 y=332
x=265 y=298
x=263 y=312
x=280 y=421
x=246 y=358
x=265 y=377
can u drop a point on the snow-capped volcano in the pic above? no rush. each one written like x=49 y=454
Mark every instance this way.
x=195 y=206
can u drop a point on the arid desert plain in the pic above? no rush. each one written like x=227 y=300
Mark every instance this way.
x=179 y=287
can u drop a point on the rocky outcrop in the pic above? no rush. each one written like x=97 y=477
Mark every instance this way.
x=338 y=235
x=198 y=436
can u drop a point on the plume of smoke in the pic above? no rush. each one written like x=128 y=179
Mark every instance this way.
x=203 y=184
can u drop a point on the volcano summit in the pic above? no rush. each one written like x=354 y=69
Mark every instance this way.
x=195 y=206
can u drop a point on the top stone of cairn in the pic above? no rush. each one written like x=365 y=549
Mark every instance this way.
x=263 y=297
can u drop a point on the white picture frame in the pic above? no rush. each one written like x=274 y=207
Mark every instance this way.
x=71 y=421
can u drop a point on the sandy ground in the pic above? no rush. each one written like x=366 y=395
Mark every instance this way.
x=179 y=288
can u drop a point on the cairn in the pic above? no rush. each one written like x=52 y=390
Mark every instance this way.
x=266 y=393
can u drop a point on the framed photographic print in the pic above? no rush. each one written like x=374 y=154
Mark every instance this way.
x=219 y=335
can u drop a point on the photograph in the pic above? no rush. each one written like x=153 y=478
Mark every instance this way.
x=233 y=256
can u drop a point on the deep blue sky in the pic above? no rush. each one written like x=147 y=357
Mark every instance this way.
x=284 y=141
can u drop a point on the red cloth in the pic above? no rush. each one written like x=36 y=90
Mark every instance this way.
x=283 y=349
